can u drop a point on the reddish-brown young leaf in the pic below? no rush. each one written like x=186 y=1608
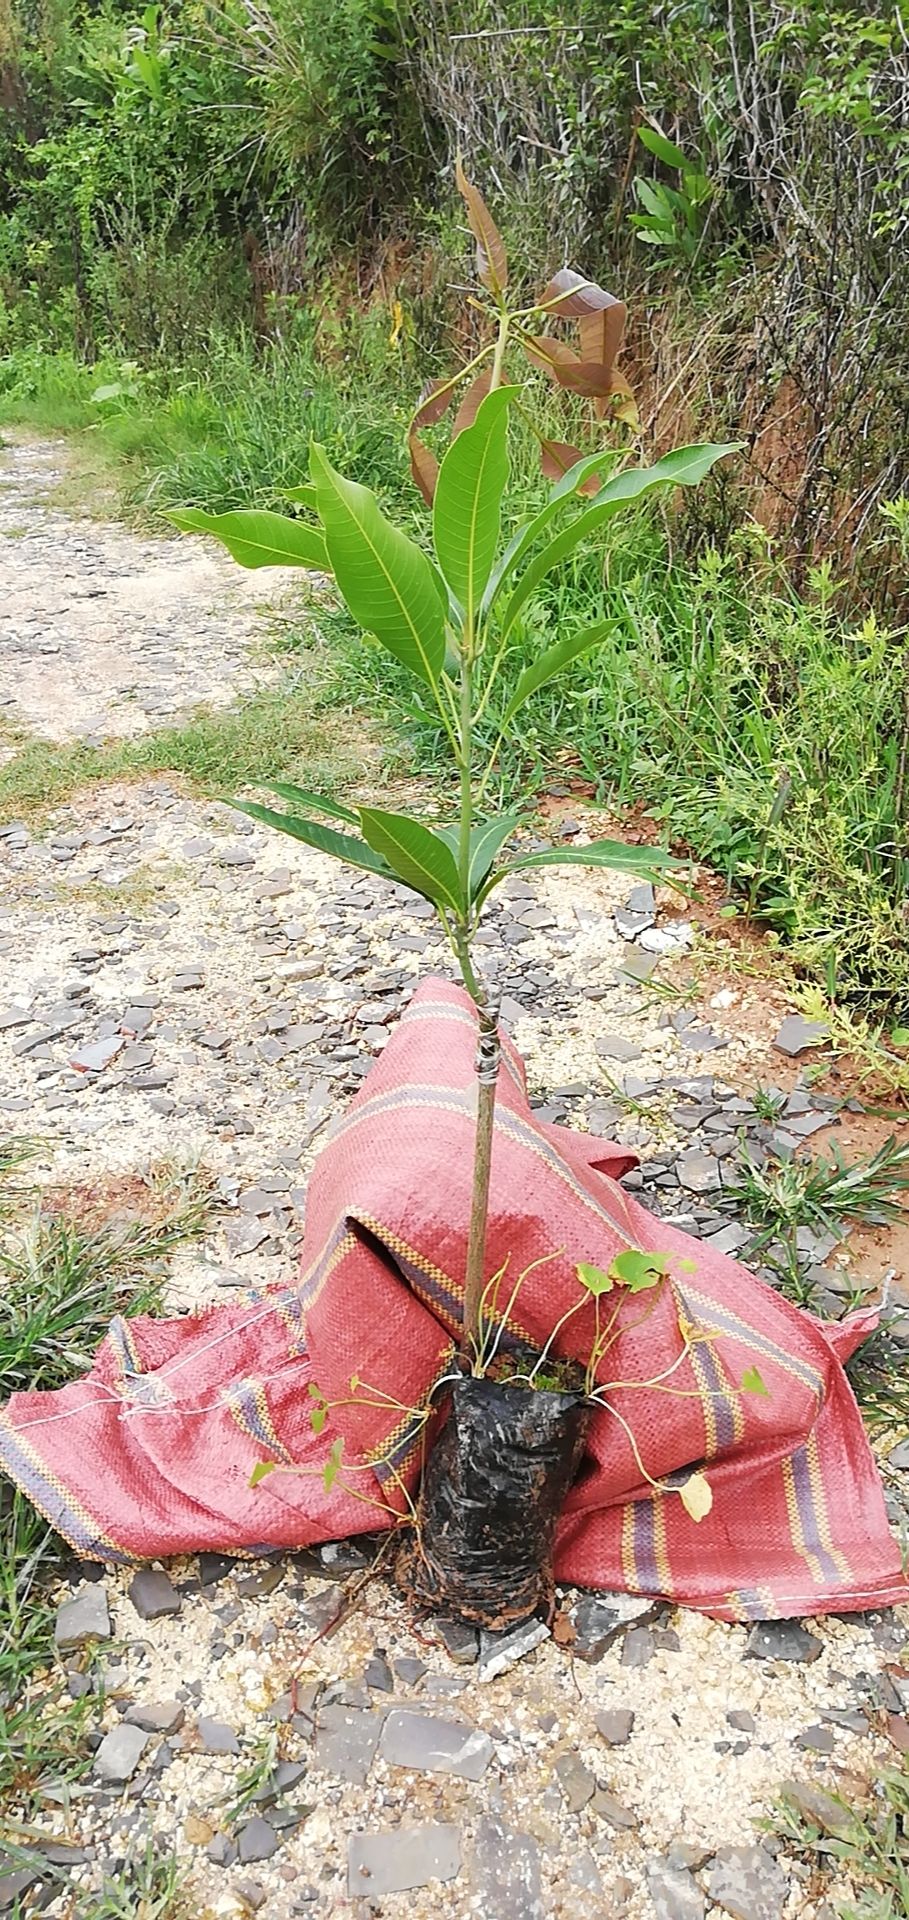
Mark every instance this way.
x=579 y=376
x=548 y=352
x=571 y=296
x=602 y=333
x=424 y=467
x=585 y=376
x=492 y=263
x=557 y=457
x=619 y=403
x=434 y=400
x=467 y=411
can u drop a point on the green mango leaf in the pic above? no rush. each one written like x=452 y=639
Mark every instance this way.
x=302 y=497
x=467 y=508
x=594 y=1279
x=261 y=1468
x=685 y=467
x=415 y=854
x=646 y=863
x=301 y=797
x=387 y=582
x=256 y=538
x=485 y=840
x=551 y=662
x=590 y=467
x=341 y=846
x=638 y=1270
x=752 y=1383
x=665 y=150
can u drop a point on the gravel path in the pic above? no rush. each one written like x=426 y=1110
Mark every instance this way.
x=177 y=985
x=106 y=633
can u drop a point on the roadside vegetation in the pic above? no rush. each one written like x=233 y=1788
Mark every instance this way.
x=226 y=229
x=69 y=1261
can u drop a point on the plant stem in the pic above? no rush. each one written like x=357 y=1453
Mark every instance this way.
x=488 y=1054
x=488 y=1049
x=498 y=359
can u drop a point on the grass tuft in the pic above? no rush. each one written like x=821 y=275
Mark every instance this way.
x=823 y=1195
x=867 y=1847
x=280 y=732
x=61 y=1282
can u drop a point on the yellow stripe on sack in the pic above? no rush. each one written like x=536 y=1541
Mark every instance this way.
x=820 y=1508
x=660 y=1550
x=629 y=1564
x=795 y=1525
x=96 y=1534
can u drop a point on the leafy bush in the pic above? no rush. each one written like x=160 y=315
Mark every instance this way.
x=762 y=727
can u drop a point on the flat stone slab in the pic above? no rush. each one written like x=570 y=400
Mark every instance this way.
x=782 y=1640
x=460 y=1640
x=256 y=1841
x=698 y=1172
x=608 y=1808
x=403 y=1858
x=98 y=1054
x=614 y=1724
x=614 y=1046
x=216 y=1736
x=674 y=1891
x=346 y=1741
x=499 y=1651
x=84 y=1618
x=165 y=1716
x=576 y=1781
x=796 y=1035
x=119 y=1753
x=599 y=1618
x=505 y=1872
x=748 y=1884
x=153 y=1594
x=428 y=1744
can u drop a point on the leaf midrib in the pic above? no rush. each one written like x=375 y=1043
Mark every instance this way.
x=414 y=631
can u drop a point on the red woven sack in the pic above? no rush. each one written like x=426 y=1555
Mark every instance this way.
x=152 y=1453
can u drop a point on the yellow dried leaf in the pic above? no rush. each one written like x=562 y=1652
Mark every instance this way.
x=197 y=1831
x=697 y=1496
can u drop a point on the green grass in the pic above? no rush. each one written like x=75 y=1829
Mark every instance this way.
x=879 y=1378
x=760 y=727
x=233 y=429
x=820 y=1194
x=865 y=1845
x=286 y=730
x=150 y=1885
x=826 y=1196
x=63 y=1275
